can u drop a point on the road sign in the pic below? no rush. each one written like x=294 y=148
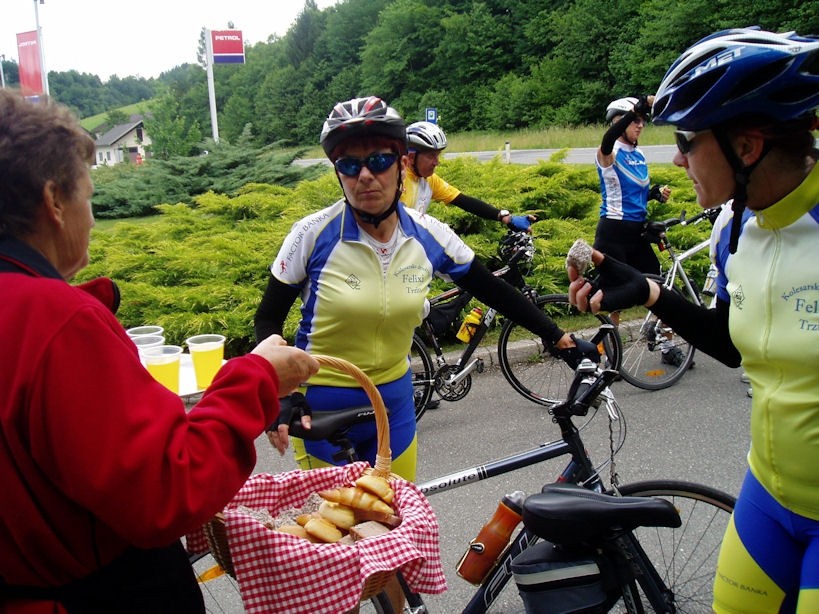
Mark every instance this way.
x=432 y=115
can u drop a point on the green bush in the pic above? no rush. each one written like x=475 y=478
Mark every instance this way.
x=203 y=267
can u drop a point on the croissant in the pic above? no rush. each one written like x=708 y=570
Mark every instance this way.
x=340 y=515
x=356 y=498
x=376 y=485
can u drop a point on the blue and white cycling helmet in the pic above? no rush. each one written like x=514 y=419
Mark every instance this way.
x=426 y=136
x=744 y=71
x=369 y=116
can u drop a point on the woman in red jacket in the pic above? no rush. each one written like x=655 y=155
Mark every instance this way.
x=102 y=468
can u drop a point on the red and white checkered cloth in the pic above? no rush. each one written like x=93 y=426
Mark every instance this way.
x=278 y=572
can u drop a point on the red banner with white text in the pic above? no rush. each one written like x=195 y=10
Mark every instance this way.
x=28 y=52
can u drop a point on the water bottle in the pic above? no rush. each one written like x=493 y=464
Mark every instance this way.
x=470 y=323
x=709 y=288
x=492 y=540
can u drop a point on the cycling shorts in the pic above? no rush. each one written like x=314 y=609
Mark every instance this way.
x=398 y=399
x=769 y=560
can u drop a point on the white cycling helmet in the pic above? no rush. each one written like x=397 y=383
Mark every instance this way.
x=621 y=106
x=361 y=117
x=426 y=136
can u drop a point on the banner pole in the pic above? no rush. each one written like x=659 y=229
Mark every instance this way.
x=44 y=74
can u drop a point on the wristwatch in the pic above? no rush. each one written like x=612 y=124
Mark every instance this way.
x=502 y=214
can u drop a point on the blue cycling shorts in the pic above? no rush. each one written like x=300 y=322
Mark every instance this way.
x=769 y=560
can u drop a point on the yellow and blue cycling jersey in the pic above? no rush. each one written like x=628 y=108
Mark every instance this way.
x=772 y=284
x=351 y=308
x=769 y=561
x=419 y=192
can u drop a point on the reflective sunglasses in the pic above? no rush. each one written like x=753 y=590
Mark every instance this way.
x=375 y=163
x=685 y=138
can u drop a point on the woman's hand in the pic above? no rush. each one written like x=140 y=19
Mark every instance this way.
x=617 y=286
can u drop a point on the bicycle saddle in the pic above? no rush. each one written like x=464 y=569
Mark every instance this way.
x=325 y=424
x=569 y=514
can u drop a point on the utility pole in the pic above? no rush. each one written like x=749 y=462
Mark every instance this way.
x=2 y=74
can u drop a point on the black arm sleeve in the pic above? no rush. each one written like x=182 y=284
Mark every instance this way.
x=494 y=291
x=706 y=329
x=615 y=132
x=277 y=300
x=476 y=207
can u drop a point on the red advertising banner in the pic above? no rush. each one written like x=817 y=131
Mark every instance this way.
x=228 y=47
x=28 y=52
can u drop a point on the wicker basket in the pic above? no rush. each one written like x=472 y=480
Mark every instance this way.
x=215 y=530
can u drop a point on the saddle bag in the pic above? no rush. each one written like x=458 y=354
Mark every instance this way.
x=551 y=580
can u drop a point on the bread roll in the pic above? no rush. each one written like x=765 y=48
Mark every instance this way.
x=293 y=529
x=323 y=530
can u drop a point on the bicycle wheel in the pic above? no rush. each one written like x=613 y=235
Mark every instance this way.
x=531 y=370
x=423 y=373
x=653 y=356
x=685 y=557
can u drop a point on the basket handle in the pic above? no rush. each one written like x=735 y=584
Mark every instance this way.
x=383 y=455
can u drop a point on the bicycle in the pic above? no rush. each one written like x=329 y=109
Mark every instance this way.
x=526 y=364
x=654 y=543
x=653 y=356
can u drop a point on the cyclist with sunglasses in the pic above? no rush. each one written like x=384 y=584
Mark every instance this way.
x=426 y=141
x=744 y=103
x=362 y=268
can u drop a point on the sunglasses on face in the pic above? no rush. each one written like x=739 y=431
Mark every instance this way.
x=685 y=139
x=375 y=163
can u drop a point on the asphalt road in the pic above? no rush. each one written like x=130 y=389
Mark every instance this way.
x=655 y=154
x=697 y=430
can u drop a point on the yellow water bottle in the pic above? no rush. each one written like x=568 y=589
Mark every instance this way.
x=470 y=324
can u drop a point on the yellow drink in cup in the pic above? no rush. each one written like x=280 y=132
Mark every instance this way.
x=207 y=354
x=162 y=361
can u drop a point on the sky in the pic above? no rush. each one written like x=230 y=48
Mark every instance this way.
x=131 y=39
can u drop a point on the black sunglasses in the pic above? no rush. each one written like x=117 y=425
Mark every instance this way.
x=685 y=138
x=375 y=163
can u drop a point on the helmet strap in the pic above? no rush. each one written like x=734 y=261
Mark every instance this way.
x=375 y=220
x=742 y=177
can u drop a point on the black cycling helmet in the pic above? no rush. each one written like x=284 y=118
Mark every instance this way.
x=744 y=71
x=362 y=117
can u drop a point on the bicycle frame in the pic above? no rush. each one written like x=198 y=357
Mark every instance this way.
x=678 y=270
x=579 y=470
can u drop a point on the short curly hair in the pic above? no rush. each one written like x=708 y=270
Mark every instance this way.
x=39 y=142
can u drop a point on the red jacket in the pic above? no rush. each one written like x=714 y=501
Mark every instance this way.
x=95 y=455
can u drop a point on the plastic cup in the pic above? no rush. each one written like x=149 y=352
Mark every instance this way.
x=162 y=361
x=140 y=331
x=207 y=353
x=147 y=341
